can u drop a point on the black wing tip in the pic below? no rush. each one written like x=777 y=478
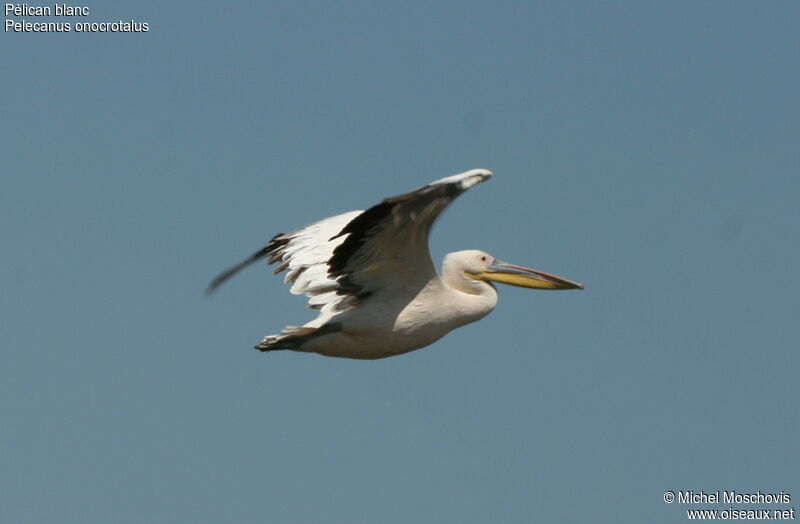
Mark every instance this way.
x=221 y=278
x=228 y=273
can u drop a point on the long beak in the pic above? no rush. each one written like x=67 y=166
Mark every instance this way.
x=524 y=277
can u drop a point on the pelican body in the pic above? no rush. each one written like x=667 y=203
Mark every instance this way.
x=370 y=275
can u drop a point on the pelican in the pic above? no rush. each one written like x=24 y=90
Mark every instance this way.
x=371 y=276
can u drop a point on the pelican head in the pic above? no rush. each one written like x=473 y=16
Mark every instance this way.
x=482 y=267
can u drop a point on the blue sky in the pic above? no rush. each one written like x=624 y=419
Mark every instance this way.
x=648 y=150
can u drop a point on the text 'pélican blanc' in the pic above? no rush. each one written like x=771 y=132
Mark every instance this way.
x=76 y=24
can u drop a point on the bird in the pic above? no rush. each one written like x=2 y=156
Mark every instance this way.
x=372 y=279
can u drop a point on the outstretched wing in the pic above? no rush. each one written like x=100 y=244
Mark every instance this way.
x=386 y=246
x=340 y=261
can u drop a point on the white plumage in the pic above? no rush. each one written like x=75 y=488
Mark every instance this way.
x=305 y=259
x=370 y=275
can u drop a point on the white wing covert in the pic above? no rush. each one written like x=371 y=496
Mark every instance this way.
x=304 y=255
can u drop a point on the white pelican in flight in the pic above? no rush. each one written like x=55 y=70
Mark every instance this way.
x=370 y=275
